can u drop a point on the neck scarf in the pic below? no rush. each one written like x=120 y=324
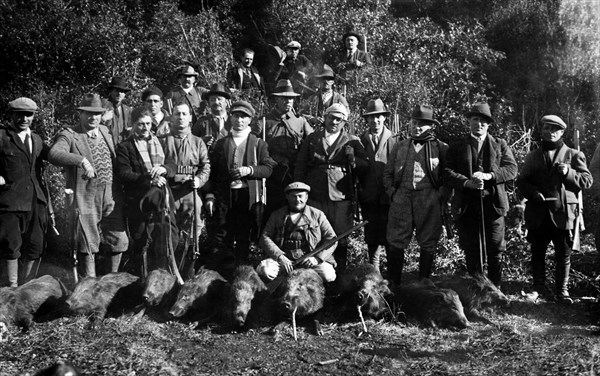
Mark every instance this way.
x=150 y=150
x=423 y=138
x=240 y=136
x=552 y=145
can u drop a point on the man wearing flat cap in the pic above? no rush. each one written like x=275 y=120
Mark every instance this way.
x=153 y=100
x=324 y=98
x=328 y=161
x=550 y=180
x=413 y=182
x=478 y=167
x=285 y=132
x=23 y=202
x=215 y=125
x=188 y=92
x=244 y=76
x=238 y=164
x=296 y=67
x=117 y=117
x=374 y=202
x=87 y=152
x=293 y=231
x=352 y=59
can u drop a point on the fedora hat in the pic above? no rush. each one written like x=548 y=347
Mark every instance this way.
x=424 y=112
x=217 y=89
x=119 y=83
x=188 y=70
x=326 y=72
x=91 y=103
x=284 y=88
x=480 y=109
x=375 y=107
x=351 y=33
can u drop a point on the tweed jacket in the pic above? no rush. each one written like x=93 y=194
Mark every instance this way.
x=256 y=156
x=69 y=149
x=326 y=169
x=285 y=133
x=371 y=189
x=22 y=171
x=192 y=152
x=350 y=62
x=235 y=77
x=119 y=132
x=538 y=177
x=313 y=223
x=497 y=159
x=193 y=99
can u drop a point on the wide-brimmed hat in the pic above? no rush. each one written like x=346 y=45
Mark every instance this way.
x=337 y=108
x=294 y=45
x=91 y=103
x=22 y=104
x=244 y=107
x=351 y=33
x=187 y=70
x=217 y=89
x=119 y=83
x=555 y=120
x=152 y=90
x=284 y=88
x=480 y=109
x=297 y=186
x=375 y=107
x=326 y=72
x=424 y=112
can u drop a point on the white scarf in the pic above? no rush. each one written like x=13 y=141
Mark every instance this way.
x=240 y=136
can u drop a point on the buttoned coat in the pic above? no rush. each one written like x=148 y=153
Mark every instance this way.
x=117 y=134
x=538 y=177
x=371 y=188
x=497 y=158
x=325 y=169
x=235 y=77
x=193 y=99
x=22 y=171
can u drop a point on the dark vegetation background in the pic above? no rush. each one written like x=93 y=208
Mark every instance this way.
x=526 y=57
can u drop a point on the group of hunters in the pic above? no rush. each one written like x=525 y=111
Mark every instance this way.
x=140 y=178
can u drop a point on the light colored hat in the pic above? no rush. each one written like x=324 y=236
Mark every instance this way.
x=297 y=186
x=22 y=104
x=91 y=103
x=553 y=119
x=294 y=45
x=337 y=108
x=188 y=70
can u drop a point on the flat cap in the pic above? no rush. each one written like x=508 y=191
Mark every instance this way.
x=244 y=107
x=22 y=104
x=294 y=45
x=152 y=90
x=297 y=186
x=553 y=119
x=337 y=108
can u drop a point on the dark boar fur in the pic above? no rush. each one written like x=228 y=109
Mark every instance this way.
x=301 y=294
x=200 y=296
x=475 y=293
x=432 y=305
x=160 y=292
x=363 y=286
x=113 y=292
x=245 y=296
x=37 y=297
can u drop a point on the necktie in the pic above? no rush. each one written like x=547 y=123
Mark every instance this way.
x=375 y=141
x=27 y=143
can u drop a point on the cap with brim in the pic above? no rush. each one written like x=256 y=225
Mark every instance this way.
x=217 y=89
x=284 y=88
x=424 y=112
x=554 y=120
x=119 y=83
x=337 y=108
x=294 y=45
x=244 y=107
x=91 y=103
x=480 y=109
x=22 y=104
x=152 y=90
x=375 y=107
x=326 y=73
x=297 y=186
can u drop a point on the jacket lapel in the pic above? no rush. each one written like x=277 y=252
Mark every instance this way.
x=103 y=131
x=468 y=156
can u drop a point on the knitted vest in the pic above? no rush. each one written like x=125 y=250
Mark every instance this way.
x=415 y=178
x=101 y=159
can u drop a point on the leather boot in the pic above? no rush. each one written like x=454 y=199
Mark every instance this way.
x=26 y=271
x=9 y=272
x=395 y=263
x=374 y=256
x=562 y=281
x=425 y=263
x=538 y=272
x=115 y=261
x=89 y=264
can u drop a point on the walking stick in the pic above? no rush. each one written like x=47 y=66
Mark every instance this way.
x=482 y=242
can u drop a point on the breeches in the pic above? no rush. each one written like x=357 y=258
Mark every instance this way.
x=22 y=234
x=376 y=229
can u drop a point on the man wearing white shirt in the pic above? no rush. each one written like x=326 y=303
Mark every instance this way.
x=188 y=92
x=215 y=125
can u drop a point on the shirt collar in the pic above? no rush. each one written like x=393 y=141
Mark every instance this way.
x=93 y=133
x=479 y=139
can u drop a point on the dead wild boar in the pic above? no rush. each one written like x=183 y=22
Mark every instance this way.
x=432 y=305
x=202 y=294
x=243 y=294
x=363 y=287
x=113 y=292
x=475 y=293
x=18 y=305
x=159 y=288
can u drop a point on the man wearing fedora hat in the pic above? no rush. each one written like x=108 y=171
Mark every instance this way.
x=352 y=59
x=374 y=202
x=328 y=161
x=215 y=125
x=550 y=180
x=244 y=76
x=87 y=152
x=285 y=132
x=23 y=202
x=325 y=97
x=188 y=92
x=117 y=117
x=296 y=67
x=412 y=179
x=478 y=167
x=293 y=231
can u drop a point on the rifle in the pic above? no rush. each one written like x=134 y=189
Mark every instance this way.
x=579 y=225
x=447 y=220
x=190 y=270
x=327 y=244
x=70 y=198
